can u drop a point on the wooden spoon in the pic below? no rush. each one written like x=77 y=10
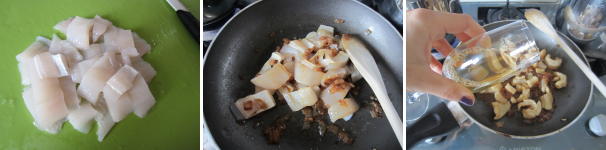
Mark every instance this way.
x=366 y=65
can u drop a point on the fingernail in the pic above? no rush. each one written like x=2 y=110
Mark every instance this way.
x=466 y=101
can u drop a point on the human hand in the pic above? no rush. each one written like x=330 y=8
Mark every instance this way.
x=426 y=29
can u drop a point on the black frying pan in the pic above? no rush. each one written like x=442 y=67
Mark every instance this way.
x=571 y=100
x=232 y=54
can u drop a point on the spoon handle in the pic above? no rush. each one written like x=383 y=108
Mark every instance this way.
x=366 y=65
x=594 y=79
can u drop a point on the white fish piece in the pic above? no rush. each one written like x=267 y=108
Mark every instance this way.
x=141 y=97
x=275 y=58
x=96 y=77
x=72 y=101
x=99 y=27
x=259 y=102
x=75 y=73
x=333 y=98
x=105 y=122
x=308 y=73
x=45 y=66
x=123 y=59
x=119 y=105
x=28 y=98
x=95 y=49
x=145 y=69
x=292 y=54
x=62 y=26
x=66 y=48
x=500 y=109
x=331 y=75
x=24 y=73
x=298 y=45
x=61 y=62
x=120 y=40
x=325 y=30
x=87 y=64
x=343 y=108
x=31 y=51
x=82 y=119
x=135 y=60
x=302 y=98
x=141 y=45
x=48 y=99
x=273 y=79
x=317 y=90
x=290 y=66
x=78 y=32
x=339 y=61
x=122 y=80
x=43 y=40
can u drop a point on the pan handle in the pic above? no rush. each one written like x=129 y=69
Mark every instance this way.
x=438 y=121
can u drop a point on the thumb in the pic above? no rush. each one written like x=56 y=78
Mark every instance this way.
x=438 y=85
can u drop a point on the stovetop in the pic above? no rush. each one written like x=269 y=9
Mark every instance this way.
x=574 y=137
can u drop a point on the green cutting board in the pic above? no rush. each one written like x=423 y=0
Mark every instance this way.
x=173 y=123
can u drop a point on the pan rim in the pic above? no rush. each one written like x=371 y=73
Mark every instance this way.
x=547 y=134
x=206 y=128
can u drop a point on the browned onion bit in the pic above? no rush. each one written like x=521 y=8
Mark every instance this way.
x=286 y=41
x=334 y=129
x=248 y=105
x=308 y=117
x=276 y=129
x=339 y=21
x=256 y=50
x=272 y=34
x=260 y=104
x=355 y=91
x=346 y=37
x=319 y=107
x=373 y=97
x=343 y=136
x=278 y=48
x=321 y=127
x=318 y=69
x=376 y=110
x=337 y=85
x=273 y=62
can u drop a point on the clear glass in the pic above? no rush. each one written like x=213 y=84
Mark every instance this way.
x=589 y=14
x=492 y=57
x=416 y=105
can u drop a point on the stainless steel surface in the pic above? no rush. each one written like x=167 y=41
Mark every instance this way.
x=213 y=9
x=575 y=137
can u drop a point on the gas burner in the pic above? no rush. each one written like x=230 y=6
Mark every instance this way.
x=504 y=13
x=509 y=14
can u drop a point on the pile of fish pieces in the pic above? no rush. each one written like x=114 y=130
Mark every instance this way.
x=103 y=59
